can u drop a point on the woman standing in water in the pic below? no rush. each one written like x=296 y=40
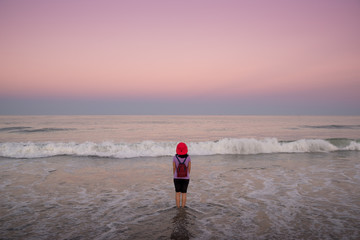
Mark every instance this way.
x=181 y=171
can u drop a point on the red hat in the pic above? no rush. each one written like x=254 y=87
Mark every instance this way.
x=181 y=149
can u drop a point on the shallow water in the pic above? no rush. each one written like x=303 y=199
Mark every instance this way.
x=264 y=196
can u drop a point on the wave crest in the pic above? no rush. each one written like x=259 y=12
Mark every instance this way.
x=153 y=149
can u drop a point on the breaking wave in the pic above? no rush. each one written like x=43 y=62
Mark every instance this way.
x=153 y=149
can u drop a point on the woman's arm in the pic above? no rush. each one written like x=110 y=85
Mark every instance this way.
x=174 y=167
x=189 y=167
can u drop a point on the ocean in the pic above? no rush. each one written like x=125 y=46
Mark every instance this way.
x=110 y=177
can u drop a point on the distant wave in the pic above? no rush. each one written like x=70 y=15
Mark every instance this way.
x=32 y=130
x=153 y=149
x=10 y=129
x=46 y=130
x=334 y=126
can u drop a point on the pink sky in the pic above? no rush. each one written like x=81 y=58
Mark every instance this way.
x=199 y=48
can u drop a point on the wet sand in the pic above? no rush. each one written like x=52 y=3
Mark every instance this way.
x=265 y=196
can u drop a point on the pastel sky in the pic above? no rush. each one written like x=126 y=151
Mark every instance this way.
x=186 y=57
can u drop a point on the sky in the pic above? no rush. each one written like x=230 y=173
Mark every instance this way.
x=180 y=57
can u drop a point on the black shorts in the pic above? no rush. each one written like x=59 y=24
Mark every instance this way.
x=181 y=185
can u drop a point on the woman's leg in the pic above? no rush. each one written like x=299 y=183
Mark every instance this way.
x=177 y=198
x=183 y=199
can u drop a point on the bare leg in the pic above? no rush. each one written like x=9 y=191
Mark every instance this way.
x=183 y=199
x=177 y=198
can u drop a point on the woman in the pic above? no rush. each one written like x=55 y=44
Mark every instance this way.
x=181 y=171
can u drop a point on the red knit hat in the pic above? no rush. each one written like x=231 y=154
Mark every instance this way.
x=181 y=149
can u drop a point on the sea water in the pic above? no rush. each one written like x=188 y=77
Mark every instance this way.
x=110 y=177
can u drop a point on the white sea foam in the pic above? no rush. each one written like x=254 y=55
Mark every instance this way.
x=153 y=149
x=353 y=146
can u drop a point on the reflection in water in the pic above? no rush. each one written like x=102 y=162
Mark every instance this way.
x=168 y=223
x=180 y=225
